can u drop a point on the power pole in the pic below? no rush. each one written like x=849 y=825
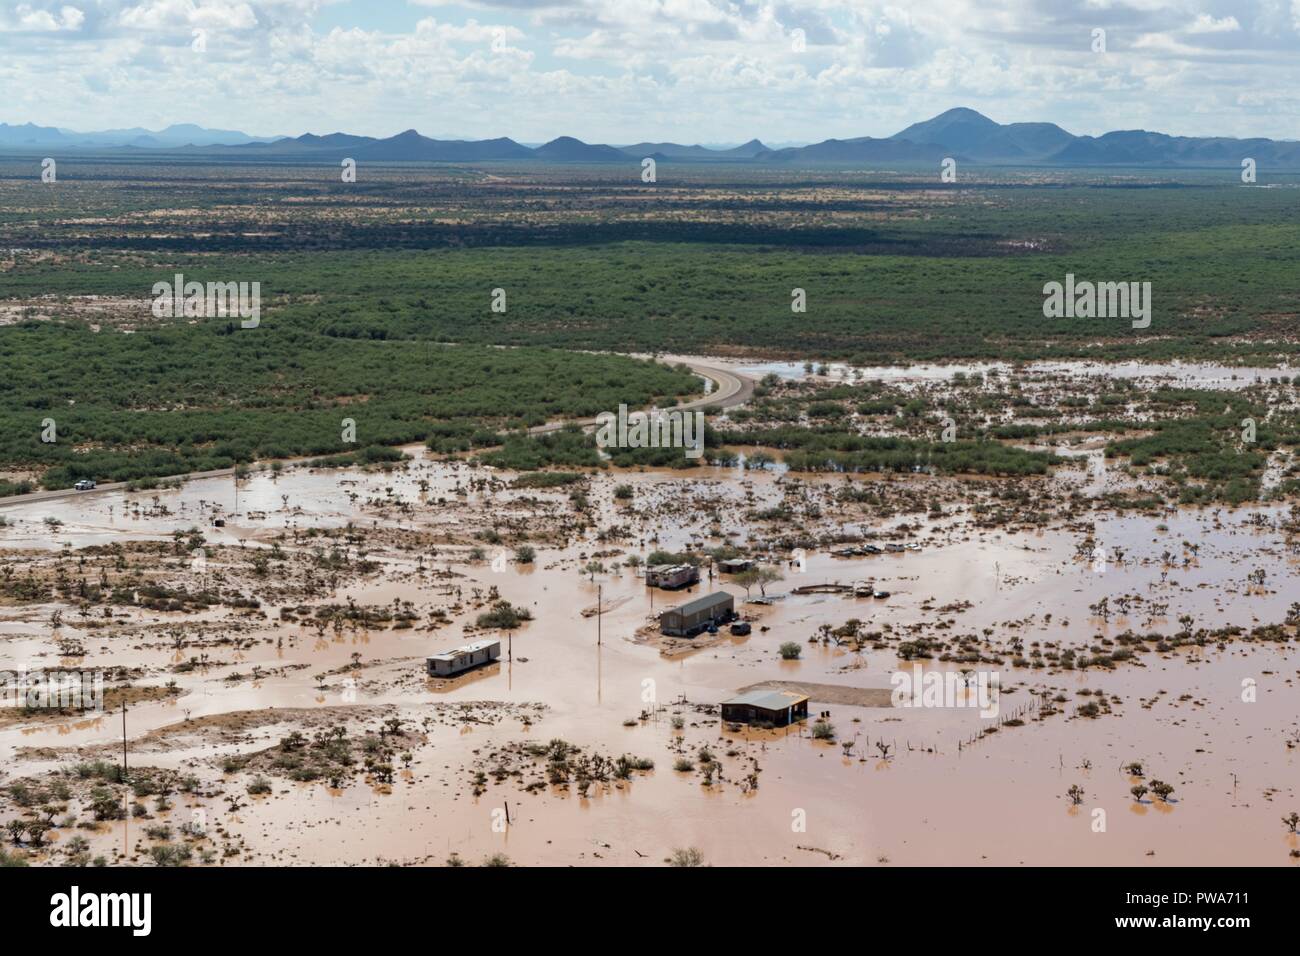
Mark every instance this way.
x=123 y=741
x=600 y=590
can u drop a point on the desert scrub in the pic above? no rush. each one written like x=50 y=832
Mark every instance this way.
x=823 y=730
x=790 y=651
x=259 y=785
x=99 y=770
x=686 y=857
x=106 y=805
x=626 y=764
x=170 y=854
x=233 y=764
x=503 y=615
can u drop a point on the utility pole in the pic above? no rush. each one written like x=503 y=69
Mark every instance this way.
x=600 y=590
x=123 y=741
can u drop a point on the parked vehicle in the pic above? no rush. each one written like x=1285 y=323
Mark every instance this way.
x=85 y=484
x=740 y=628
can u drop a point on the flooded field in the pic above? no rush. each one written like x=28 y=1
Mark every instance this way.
x=268 y=638
x=1199 y=375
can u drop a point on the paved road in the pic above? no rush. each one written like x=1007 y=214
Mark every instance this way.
x=729 y=390
x=103 y=488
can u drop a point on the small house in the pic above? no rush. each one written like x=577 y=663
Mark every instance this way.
x=687 y=620
x=671 y=575
x=735 y=565
x=777 y=708
x=461 y=659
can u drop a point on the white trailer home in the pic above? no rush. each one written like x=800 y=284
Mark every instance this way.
x=453 y=662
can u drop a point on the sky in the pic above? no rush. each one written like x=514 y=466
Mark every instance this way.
x=624 y=71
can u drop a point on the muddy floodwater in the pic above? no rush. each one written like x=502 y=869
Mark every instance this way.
x=911 y=782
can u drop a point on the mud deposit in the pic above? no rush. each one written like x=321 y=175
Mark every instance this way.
x=277 y=707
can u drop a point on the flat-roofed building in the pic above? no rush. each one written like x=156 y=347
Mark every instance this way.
x=779 y=708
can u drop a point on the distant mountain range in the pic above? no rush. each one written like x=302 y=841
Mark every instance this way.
x=961 y=133
x=30 y=135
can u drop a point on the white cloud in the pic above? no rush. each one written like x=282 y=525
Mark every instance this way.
x=624 y=70
x=1204 y=23
x=163 y=15
x=26 y=18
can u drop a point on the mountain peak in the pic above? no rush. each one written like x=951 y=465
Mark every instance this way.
x=968 y=131
x=963 y=114
x=566 y=149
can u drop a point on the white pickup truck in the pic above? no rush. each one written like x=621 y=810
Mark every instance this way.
x=85 y=484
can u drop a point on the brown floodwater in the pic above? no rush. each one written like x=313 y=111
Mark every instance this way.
x=947 y=793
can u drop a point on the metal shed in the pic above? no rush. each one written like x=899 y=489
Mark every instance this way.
x=687 y=620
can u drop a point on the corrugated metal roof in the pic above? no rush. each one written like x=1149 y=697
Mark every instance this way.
x=702 y=603
x=768 y=699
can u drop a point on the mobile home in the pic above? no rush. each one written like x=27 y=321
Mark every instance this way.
x=461 y=659
x=671 y=575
